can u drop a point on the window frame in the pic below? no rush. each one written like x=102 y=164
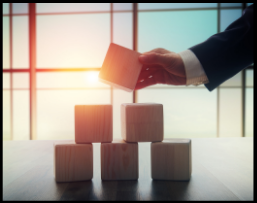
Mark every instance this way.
x=32 y=69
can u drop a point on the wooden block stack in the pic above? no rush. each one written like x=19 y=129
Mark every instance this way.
x=74 y=161
x=121 y=68
x=140 y=122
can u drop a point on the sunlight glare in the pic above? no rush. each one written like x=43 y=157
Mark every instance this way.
x=91 y=78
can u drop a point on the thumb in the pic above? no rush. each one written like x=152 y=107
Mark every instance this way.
x=153 y=58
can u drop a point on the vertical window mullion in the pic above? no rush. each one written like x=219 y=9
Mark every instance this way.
x=11 y=75
x=32 y=66
x=135 y=21
x=111 y=24
x=243 y=101
x=243 y=91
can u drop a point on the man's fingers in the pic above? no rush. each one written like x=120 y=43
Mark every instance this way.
x=142 y=76
x=175 y=80
x=150 y=79
x=145 y=83
x=150 y=58
x=146 y=73
x=159 y=77
x=157 y=50
x=149 y=67
x=154 y=58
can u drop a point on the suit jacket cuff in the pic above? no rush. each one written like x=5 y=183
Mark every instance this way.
x=194 y=71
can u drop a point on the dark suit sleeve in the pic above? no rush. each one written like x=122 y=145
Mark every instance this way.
x=225 y=54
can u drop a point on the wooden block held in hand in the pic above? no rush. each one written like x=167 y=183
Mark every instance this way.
x=119 y=160
x=73 y=162
x=171 y=159
x=93 y=123
x=120 y=68
x=142 y=122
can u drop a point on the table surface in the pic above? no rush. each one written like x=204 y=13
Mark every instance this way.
x=222 y=169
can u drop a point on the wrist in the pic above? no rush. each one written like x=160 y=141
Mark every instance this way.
x=181 y=66
x=194 y=71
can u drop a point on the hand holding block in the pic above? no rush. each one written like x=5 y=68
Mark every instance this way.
x=120 y=68
x=93 y=123
x=119 y=160
x=73 y=162
x=171 y=159
x=142 y=122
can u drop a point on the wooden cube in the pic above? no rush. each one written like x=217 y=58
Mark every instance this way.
x=119 y=160
x=93 y=123
x=120 y=68
x=73 y=162
x=142 y=122
x=171 y=159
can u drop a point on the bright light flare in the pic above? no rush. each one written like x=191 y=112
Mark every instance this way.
x=91 y=77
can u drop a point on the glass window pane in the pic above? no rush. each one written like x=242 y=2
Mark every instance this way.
x=20 y=8
x=122 y=29
x=234 y=81
x=248 y=4
x=231 y=4
x=6 y=115
x=122 y=6
x=20 y=80
x=21 y=114
x=249 y=78
x=6 y=43
x=230 y=121
x=119 y=97
x=69 y=80
x=146 y=6
x=162 y=29
x=249 y=113
x=6 y=80
x=227 y=16
x=71 y=7
x=5 y=8
x=194 y=108
x=55 y=110
x=68 y=41
x=20 y=42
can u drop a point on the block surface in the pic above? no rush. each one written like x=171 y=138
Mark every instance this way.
x=171 y=159
x=120 y=68
x=93 y=123
x=119 y=160
x=73 y=162
x=142 y=122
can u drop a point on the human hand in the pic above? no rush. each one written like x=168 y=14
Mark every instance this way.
x=161 y=66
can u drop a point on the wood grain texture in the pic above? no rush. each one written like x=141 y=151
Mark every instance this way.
x=120 y=68
x=142 y=122
x=171 y=159
x=93 y=123
x=73 y=162
x=222 y=170
x=119 y=161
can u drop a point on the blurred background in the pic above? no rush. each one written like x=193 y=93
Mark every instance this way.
x=52 y=54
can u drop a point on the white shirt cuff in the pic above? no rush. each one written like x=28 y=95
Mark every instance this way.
x=194 y=71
